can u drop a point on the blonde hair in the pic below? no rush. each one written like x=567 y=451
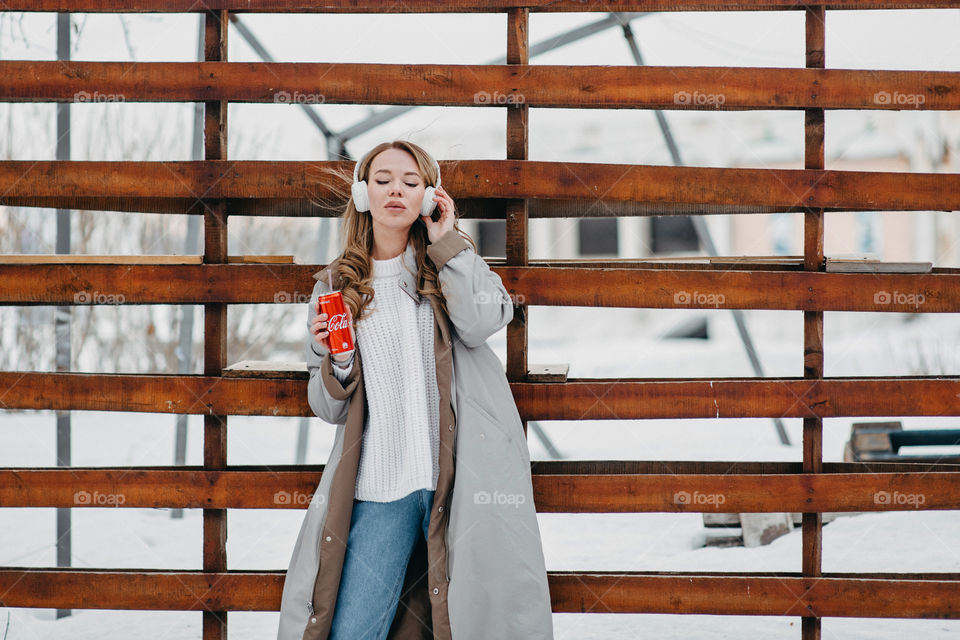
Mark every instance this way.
x=354 y=266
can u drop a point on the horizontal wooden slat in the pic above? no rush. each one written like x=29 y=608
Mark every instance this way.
x=557 y=86
x=185 y=183
x=773 y=594
x=469 y=208
x=147 y=590
x=727 y=493
x=74 y=258
x=155 y=393
x=740 y=289
x=156 y=284
x=655 y=288
x=623 y=399
x=450 y=6
x=576 y=399
x=690 y=467
x=688 y=263
x=560 y=493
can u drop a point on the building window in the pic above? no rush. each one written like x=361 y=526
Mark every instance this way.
x=672 y=233
x=597 y=236
x=492 y=238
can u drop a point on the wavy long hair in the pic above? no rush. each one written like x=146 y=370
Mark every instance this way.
x=354 y=268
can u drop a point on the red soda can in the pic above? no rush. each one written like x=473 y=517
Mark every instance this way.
x=337 y=323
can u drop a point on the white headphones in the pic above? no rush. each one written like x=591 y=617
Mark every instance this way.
x=361 y=198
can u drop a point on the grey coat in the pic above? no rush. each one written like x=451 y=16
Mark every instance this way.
x=481 y=573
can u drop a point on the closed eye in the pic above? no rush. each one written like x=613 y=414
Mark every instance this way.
x=406 y=183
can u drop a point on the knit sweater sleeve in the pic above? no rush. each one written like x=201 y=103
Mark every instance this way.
x=328 y=392
x=342 y=373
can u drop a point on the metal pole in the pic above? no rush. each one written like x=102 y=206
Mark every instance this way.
x=703 y=232
x=191 y=246
x=63 y=313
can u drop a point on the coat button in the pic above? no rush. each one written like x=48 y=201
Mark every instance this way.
x=328 y=538
x=440 y=509
x=450 y=427
x=436 y=591
x=313 y=620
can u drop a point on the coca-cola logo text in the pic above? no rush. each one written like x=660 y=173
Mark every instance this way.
x=338 y=322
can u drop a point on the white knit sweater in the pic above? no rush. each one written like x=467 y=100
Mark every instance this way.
x=401 y=437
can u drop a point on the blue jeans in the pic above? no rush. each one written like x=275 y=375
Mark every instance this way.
x=382 y=538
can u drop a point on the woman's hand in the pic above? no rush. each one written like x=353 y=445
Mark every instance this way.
x=445 y=206
x=318 y=328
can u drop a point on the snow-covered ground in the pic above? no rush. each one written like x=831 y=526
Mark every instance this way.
x=856 y=344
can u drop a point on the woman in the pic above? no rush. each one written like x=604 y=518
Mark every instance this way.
x=423 y=525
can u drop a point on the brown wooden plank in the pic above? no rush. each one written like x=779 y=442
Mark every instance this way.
x=517 y=217
x=606 y=467
x=496 y=179
x=216 y=29
x=470 y=208
x=813 y=260
x=161 y=284
x=576 y=399
x=656 y=288
x=548 y=372
x=582 y=399
x=596 y=467
x=767 y=263
x=217 y=490
x=761 y=493
x=717 y=289
x=820 y=596
x=773 y=594
x=451 y=6
x=555 y=86
x=147 y=590
x=267 y=369
x=59 y=258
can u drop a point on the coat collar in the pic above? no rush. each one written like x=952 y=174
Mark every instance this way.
x=408 y=275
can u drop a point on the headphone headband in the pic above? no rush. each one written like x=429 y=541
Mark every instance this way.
x=356 y=169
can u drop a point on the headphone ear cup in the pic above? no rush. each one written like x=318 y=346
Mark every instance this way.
x=428 y=205
x=361 y=199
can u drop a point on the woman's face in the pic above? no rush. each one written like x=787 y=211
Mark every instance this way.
x=396 y=189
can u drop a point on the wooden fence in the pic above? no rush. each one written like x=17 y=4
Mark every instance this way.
x=506 y=189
